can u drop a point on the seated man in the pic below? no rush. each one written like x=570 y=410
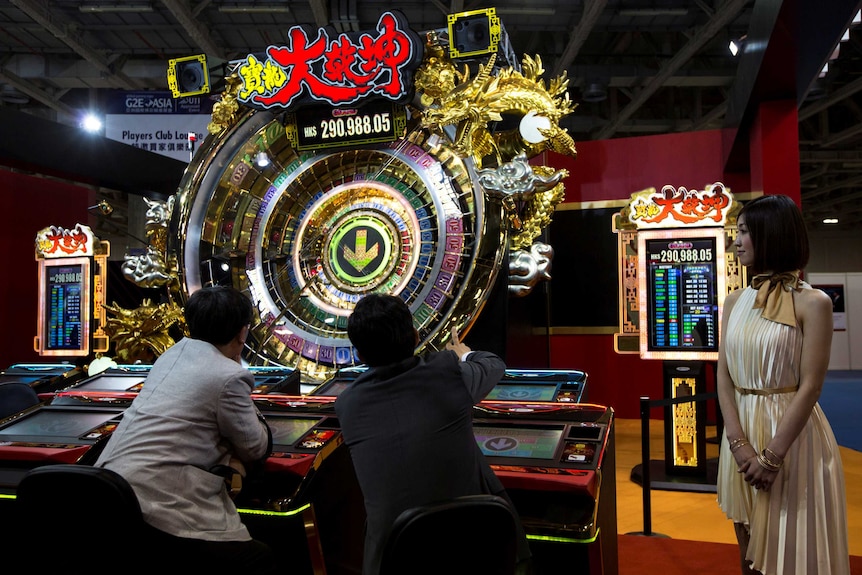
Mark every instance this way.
x=408 y=420
x=193 y=414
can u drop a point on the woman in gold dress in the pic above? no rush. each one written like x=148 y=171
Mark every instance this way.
x=780 y=476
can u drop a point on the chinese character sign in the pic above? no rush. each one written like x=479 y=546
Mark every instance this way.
x=57 y=242
x=337 y=71
x=674 y=207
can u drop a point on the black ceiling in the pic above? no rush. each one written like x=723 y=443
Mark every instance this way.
x=636 y=67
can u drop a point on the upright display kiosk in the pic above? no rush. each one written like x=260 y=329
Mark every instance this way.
x=675 y=272
x=72 y=277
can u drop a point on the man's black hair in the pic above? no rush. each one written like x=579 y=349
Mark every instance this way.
x=216 y=314
x=381 y=329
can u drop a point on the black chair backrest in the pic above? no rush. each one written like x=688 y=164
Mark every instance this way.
x=70 y=509
x=471 y=534
x=16 y=396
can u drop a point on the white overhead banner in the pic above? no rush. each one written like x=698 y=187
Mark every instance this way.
x=157 y=122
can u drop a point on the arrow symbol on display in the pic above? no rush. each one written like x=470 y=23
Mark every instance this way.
x=501 y=444
x=360 y=256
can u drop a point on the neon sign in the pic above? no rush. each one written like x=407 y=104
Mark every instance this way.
x=58 y=242
x=338 y=72
x=680 y=207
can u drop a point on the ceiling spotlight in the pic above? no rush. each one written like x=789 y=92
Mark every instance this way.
x=91 y=123
x=737 y=45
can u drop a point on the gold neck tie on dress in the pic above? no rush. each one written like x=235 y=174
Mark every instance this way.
x=775 y=296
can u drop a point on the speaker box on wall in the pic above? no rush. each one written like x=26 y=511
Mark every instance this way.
x=188 y=76
x=473 y=33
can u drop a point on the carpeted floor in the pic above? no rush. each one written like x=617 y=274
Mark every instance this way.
x=840 y=399
x=639 y=555
x=688 y=516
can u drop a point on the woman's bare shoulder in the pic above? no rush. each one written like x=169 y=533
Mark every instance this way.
x=813 y=300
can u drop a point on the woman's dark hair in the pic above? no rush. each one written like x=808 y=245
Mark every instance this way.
x=215 y=314
x=778 y=234
x=381 y=329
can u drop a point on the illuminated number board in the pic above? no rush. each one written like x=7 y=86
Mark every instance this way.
x=64 y=307
x=682 y=292
x=321 y=127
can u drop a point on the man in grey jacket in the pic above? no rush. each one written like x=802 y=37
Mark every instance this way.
x=194 y=413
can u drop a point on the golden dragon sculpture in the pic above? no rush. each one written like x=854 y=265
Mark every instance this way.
x=476 y=102
x=472 y=104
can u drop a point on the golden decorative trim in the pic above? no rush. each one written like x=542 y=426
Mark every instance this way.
x=592 y=205
x=588 y=330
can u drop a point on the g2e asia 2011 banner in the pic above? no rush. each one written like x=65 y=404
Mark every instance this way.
x=157 y=122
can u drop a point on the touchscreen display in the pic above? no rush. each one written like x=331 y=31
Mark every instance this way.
x=523 y=392
x=287 y=430
x=538 y=442
x=52 y=424
x=113 y=383
x=333 y=387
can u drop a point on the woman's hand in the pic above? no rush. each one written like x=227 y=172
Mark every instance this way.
x=754 y=473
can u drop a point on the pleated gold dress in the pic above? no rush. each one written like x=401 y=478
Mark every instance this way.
x=799 y=526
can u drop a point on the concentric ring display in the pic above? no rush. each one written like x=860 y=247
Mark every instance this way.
x=307 y=234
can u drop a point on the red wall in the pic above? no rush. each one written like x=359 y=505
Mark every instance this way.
x=29 y=203
x=615 y=169
x=612 y=170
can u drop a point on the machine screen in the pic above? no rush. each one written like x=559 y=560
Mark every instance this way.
x=523 y=392
x=333 y=387
x=64 y=294
x=113 y=383
x=53 y=424
x=287 y=430
x=538 y=442
x=681 y=275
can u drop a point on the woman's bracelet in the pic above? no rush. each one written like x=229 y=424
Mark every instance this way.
x=766 y=463
x=773 y=457
x=737 y=443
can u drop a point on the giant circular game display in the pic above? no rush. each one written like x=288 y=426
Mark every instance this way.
x=307 y=233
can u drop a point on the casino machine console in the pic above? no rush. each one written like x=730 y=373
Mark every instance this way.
x=318 y=184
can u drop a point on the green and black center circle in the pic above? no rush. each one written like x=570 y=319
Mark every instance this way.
x=360 y=251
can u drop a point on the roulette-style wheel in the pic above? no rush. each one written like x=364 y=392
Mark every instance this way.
x=306 y=233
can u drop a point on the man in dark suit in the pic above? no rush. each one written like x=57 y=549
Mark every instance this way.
x=408 y=420
x=194 y=414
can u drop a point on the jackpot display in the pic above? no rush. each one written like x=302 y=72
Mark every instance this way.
x=318 y=185
x=72 y=280
x=66 y=285
x=682 y=291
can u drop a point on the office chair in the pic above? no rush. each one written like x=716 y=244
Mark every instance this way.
x=71 y=511
x=15 y=397
x=473 y=534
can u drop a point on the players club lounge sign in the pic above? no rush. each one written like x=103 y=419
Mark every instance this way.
x=338 y=71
